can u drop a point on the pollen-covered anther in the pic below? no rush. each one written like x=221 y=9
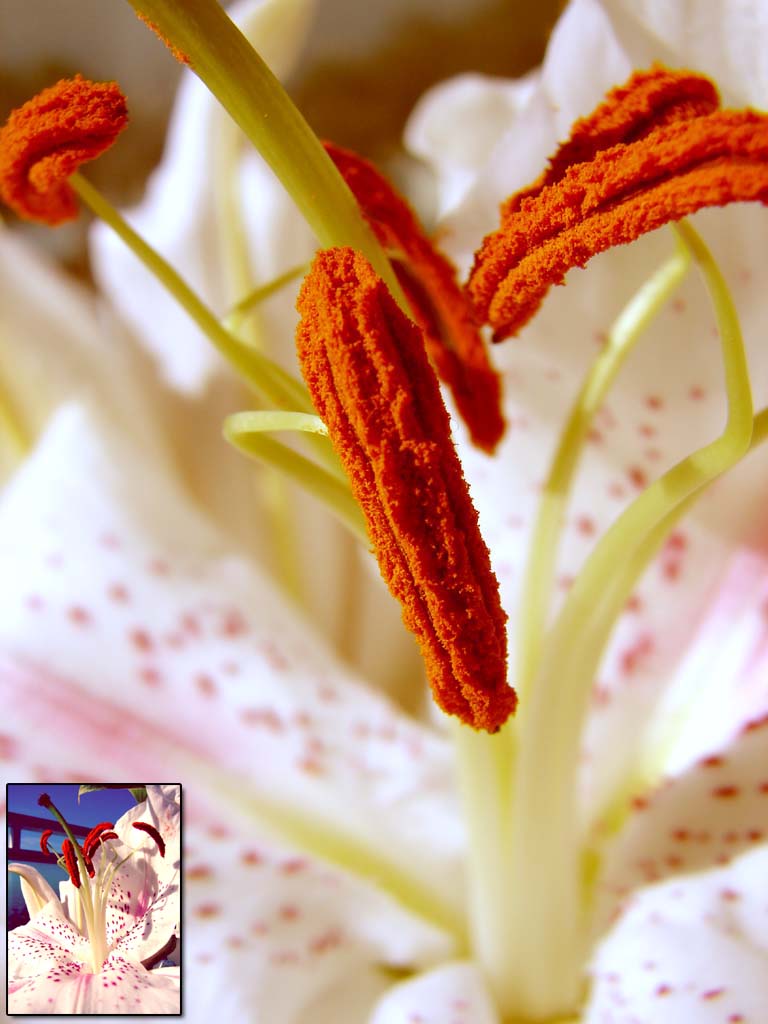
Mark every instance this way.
x=94 y=836
x=70 y=862
x=630 y=168
x=46 y=140
x=144 y=826
x=366 y=369
x=179 y=55
x=438 y=305
x=44 y=842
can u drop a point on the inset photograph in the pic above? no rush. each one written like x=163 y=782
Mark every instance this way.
x=94 y=899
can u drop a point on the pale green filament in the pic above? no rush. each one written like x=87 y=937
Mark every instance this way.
x=487 y=765
x=540 y=569
x=231 y=227
x=246 y=306
x=261 y=373
x=648 y=767
x=227 y=63
x=247 y=430
x=547 y=950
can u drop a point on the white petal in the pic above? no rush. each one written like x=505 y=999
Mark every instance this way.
x=725 y=39
x=178 y=215
x=455 y=126
x=57 y=343
x=34 y=888
x=692 y=949
x=453 y=992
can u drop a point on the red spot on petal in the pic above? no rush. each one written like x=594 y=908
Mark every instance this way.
x=207 y=910
x=234 y=624
x=713 y=993
x=198 y=871
x=714 y=761
x=328 y=940
x=8 y=747
x=268 y=718
x=725 y=792
x=141 y=639
x=151 y=676
x=79 y=616
x=637 y=477
x=586 y=526
x=293 y=866
x=251 y=858
x=205 y=685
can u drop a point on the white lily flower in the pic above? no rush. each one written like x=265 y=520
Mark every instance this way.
x=332 y=873
x=86 y=952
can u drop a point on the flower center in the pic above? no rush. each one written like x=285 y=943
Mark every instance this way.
x=92 y=886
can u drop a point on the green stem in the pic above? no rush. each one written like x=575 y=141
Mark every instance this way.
x=264 y=376
x=225 y=61
x=549 y=903
x=84 y=892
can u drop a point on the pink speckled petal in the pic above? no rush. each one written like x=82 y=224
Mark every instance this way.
x=454 y=992
x=693 y=949
x=144 y=906
x=141 y=644
x=710 y=813
x=280 y=936
x=122 y=987
x=49 y=941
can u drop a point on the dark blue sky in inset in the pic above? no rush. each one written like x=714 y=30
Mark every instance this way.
x=104 y=805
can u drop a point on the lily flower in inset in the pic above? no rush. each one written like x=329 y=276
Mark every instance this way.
x=86 y=953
